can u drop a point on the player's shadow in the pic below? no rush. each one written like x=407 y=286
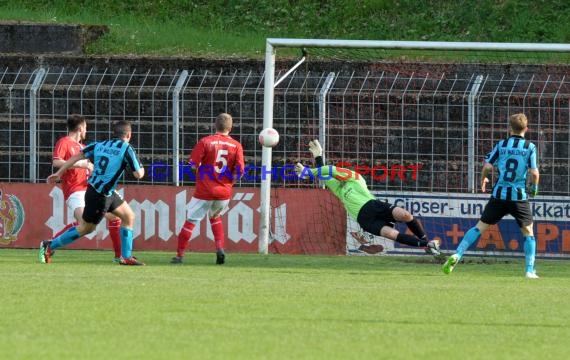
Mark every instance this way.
x=309 y=263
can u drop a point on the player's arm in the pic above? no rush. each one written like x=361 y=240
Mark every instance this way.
x=316 y=149
x=139 y=173
x=60 y=153
x=57 y=163
x=534 y=179
x=490 y=159
x=239 y=165
x=81 y=164
x=329 y=180
x=487 y=169
x=134 y=163
x=55 y=177
x=196 y=157
x=534 y=174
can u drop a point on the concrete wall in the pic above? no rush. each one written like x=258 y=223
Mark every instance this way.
x=32 y=38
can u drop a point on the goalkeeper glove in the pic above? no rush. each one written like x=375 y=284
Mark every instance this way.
x=533 y=190
x=315 y=148
x=299 y=168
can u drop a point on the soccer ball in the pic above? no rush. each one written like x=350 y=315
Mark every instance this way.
x=268 y=137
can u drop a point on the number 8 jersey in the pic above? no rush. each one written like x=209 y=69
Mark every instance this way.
x=109 y=158
x=513 y=157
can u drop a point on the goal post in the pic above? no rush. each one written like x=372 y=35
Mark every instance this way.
x=472 y=93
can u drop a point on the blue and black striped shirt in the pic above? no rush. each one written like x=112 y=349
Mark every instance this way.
x=513 y=157
x=110 y=158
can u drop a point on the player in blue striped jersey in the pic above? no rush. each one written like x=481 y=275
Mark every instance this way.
x=514 y=158
x=110 y=159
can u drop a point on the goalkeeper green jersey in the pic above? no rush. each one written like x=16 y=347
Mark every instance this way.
x=347 y=185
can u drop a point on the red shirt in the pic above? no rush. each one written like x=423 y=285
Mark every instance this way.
x=74 y=179
x=220 y=163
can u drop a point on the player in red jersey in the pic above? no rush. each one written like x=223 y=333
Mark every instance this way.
x=74 y=180
x=218 y=162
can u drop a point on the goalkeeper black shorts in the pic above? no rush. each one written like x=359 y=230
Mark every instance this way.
x=374 y=215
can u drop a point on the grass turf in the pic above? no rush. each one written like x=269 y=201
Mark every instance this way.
x=279 y=307
x=223 y=28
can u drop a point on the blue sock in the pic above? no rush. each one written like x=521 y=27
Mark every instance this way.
x=126 y=242
x=65 y=239
x=471 y=236
x=529 y=253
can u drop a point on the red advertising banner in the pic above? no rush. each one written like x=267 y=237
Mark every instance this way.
x=303 y=221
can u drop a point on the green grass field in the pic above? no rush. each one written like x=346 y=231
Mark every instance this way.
x=239 y=28
x=279 y=307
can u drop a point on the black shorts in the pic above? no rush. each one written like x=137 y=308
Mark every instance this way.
x=374 y=215
x=496 y=209
x=96 y=205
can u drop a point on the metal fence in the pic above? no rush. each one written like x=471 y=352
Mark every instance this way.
x=381 y=118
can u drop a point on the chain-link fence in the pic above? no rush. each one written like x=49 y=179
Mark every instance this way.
x=383 y=118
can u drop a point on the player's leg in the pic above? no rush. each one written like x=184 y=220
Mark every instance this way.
x=77 y=216
x=470 y=237
x=492 y=214
x=91 y=216
x=197 y=210
x=114 y=226
x=389 y=232
x=73 y=234
x=84 y=227
x=529 y=251
x=75 y=204
x=402 y=215
x=215 y=215
x=47 y=247
x=420 y=238
x=378 y=218
x=523 y=215
x=65 y=228
x=121 y=209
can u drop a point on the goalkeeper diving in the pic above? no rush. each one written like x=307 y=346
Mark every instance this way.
x=374 y=216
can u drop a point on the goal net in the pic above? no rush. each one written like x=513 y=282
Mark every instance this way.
x=417 y=118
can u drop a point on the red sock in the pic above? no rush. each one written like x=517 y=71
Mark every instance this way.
x=183 y=237
x=218 y=231
x=65 y=228
x=114 y=227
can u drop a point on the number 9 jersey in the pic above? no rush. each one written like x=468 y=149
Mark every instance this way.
x=513 y=157
x=109 y=158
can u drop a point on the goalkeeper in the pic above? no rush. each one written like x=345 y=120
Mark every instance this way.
x=374 y=216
